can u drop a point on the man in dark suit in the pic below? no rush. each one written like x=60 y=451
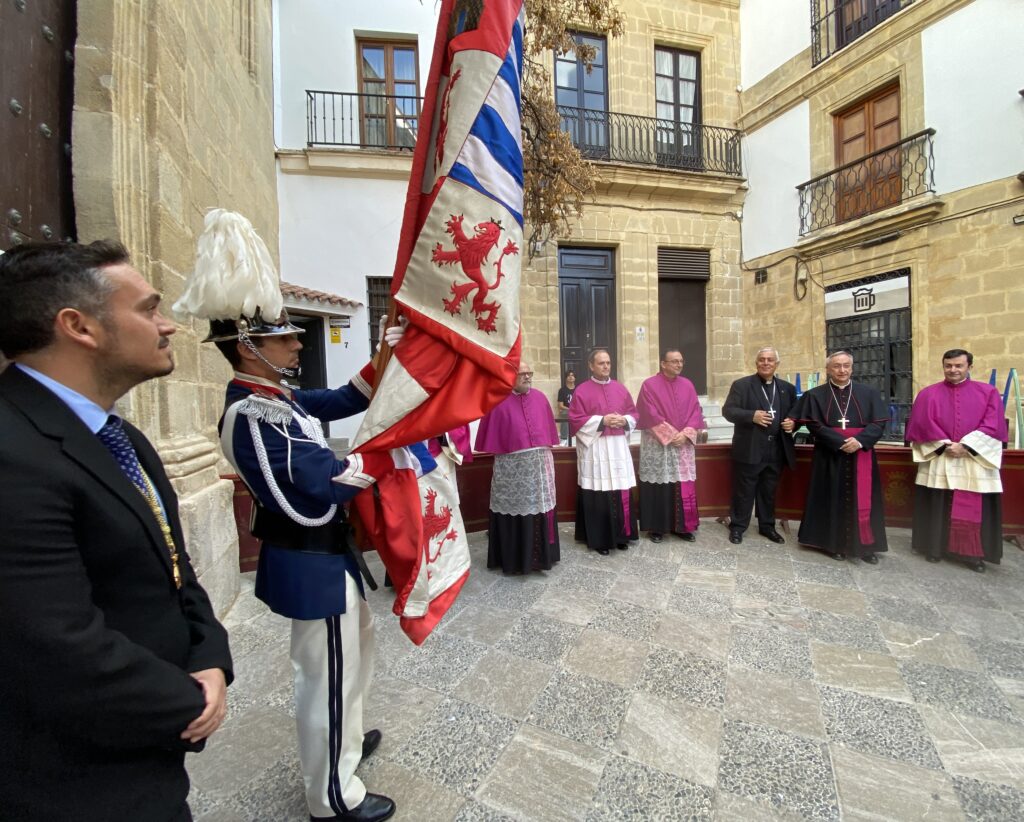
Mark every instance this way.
x=114 y=663
x=761 y=443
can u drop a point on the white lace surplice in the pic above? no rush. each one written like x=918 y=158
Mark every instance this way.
x=666 y=463
x=523 y=482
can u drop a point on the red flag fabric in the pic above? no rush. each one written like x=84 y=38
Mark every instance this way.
x=413 y=520
x=457 y=282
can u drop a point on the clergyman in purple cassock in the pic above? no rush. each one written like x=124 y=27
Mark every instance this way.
x=601 y=417
x=522 y=535
x=671 y=424
x=957 y=429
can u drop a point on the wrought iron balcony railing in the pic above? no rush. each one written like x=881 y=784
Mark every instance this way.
x=629 y=138
x=335 y=118
x=876 y=181
x=837 y=23
x=342 y=118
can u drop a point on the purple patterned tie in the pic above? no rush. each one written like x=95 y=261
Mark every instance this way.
x=113 y=436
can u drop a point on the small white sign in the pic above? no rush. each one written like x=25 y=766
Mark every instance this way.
x=859 y=300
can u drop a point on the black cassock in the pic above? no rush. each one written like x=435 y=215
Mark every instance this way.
x=830 y=519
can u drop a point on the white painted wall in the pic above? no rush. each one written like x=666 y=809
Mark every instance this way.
x=315 y=49
x=336 y=232
x=973 y=69
x=771 y=32
x=777 y=159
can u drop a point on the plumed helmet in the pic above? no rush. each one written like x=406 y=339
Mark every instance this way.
x=234 y=283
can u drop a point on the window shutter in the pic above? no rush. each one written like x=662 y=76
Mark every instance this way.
x=684 y=263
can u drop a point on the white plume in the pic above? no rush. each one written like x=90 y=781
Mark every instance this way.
x=234 y=274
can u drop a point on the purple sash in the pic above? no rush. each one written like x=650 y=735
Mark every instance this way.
x=688 y=497
x=965 y=524
x=862 y=476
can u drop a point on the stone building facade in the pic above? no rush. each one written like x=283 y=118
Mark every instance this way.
x=173 y=115
x=936 y=213
x=649 y=201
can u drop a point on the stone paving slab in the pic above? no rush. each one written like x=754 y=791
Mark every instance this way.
x=702 y=681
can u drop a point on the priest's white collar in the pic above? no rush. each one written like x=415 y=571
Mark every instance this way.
x=601 y=382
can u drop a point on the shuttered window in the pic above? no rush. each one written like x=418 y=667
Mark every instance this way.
x=684 y=263
x=862 y=131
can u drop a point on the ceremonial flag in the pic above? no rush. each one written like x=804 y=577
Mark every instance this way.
x=456 y=280
x=457 y=272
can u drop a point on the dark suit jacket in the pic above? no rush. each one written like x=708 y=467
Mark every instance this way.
x=95 y=641
x=749 y=440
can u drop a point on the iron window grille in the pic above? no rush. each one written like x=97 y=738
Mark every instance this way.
x=881 y=344
x=378 y=293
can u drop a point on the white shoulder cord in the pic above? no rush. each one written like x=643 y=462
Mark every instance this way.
x=268 y=475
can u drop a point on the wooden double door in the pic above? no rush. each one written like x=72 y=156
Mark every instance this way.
x=586 y=300
x=37 y=45
x=869 y=156
x=586 y=285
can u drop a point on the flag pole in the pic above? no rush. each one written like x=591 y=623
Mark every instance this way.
x=384 y=351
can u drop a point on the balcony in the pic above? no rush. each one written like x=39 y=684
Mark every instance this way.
x=379 y=121
x=837 y=23
x=875 y=182
x=630 y=138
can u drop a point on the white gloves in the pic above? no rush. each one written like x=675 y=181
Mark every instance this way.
x=393 y=335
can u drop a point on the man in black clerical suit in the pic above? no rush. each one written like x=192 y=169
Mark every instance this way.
x=114 y=665
x=762 y=443
x=844 y=514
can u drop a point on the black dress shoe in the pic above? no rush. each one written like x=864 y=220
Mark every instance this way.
x=771 y=534
x=735 y=536
x=979 y=567
x=688 y=537
x=870 y=559
x=371 y=739
x=623 y=546
x=839 y=556
x=374 y=808
x=655 y=536
x=602 y=551
x=933 y=559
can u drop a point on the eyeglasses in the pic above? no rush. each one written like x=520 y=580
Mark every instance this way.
x=527 y=374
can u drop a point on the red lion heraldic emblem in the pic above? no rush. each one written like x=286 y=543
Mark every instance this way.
x=434 y=524
x=471 y=253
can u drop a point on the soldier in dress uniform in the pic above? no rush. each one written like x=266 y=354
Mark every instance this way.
x=271 y=433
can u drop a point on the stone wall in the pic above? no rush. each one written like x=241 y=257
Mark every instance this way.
x=964 y=281
x=173 y=116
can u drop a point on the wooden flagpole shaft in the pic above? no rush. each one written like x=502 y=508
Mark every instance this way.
x=383 y=355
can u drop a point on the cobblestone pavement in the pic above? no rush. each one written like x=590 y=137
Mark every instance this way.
x=672 y=681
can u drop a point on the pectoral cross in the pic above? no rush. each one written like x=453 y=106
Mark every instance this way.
x=843 y=421
x=771 y=413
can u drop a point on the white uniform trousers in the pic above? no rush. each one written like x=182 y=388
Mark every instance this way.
x=333 y=661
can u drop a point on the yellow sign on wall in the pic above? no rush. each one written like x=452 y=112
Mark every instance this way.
x=335 y=336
